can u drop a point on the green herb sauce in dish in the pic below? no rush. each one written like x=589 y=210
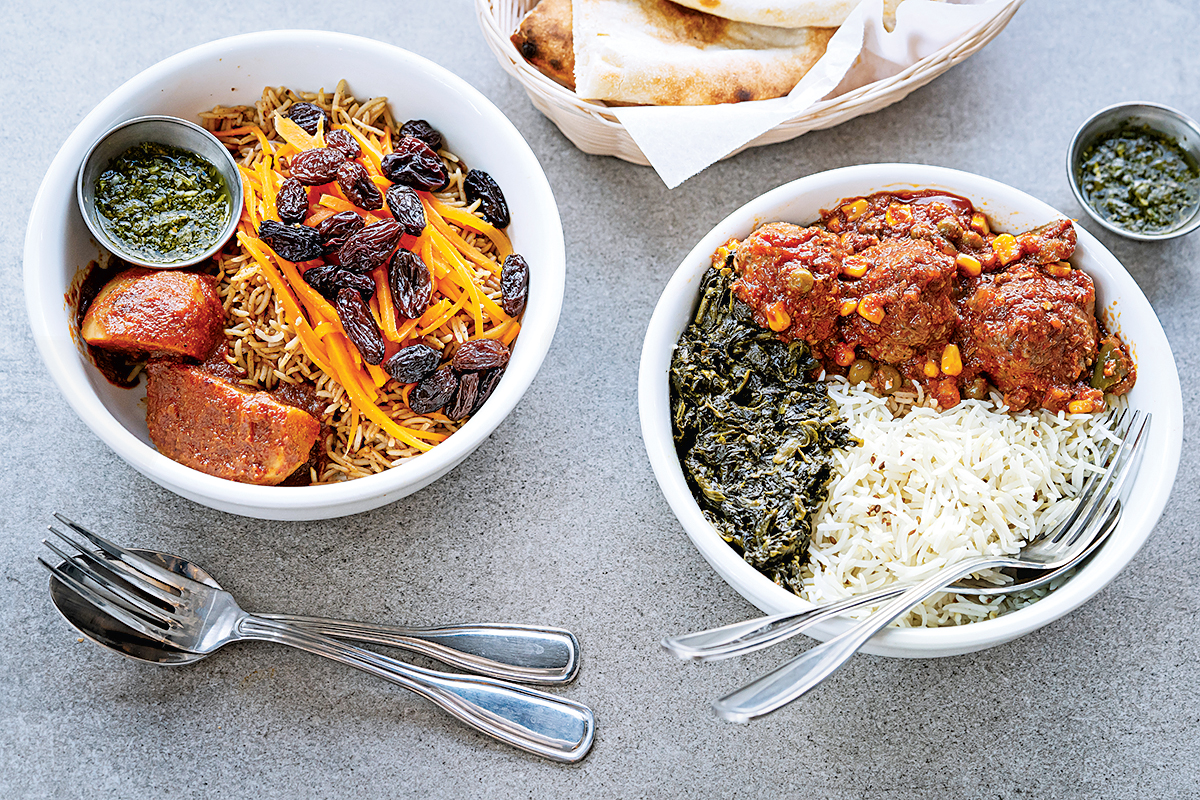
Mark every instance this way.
x=163 y=203
x=1140 y=180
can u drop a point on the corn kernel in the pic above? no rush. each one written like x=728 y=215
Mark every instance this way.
x=1060 y=269
x=969 y=265
x=870 y=309
x=951 y=360
x=778 y=318
x=854 y=210
x=843 y=354
x=930 y=369
x=834 y=224
x=1006 y=248
x=1080 y=407
x=898 y=214
x=980 y=224
x=848 y=307
x=855 y=267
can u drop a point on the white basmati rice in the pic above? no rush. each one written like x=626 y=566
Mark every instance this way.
x=929 y=488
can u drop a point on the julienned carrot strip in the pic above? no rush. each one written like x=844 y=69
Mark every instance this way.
x=496 y=331
x=372 y=153
x=372 y=411
x=385 y=146
x=318 y=307
x=268 y=191
x=460 y=245
x=293 y=134
x=342 y=204
x=324 y=328
x=267 y=147
x=442 y=318
x=290 y=304
x=430 y=436
x=312 y=345
x=353 y=428
x=508 y=337
x=319 y=216
x=466 y=219
x=467 y=281
x=344 y=357
x=433 y=312
x=404 y=331
x=387 y=311
x=235 y=131
x=248 y=195
x=377 y=375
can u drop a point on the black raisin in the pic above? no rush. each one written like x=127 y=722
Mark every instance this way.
x=317 y=166
x=291 y=201
x=290 y=242
x=415 y=165
x=482 y=187
x=360 y=325
x=344 y=141
x=405 y=205
x=370 y=247
x=336 y=229
x=413 y=363
x=433 y=391
x=410 y=282
x=488 y=380
x=329 y=279
x=420 y=129
x=308 y=117
x=479 y=354
x=464 y=399
x=358 y=186
x=514 y=285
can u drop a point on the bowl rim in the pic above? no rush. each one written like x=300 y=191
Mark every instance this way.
x=1152 y=486
x=227 y=169
x=57 y=348
x=1101 y=121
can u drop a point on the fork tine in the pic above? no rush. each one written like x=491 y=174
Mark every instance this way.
x=119 y=593
x=1118 y=471
x=117 y=569
x=1091 y=483
x=102 y=603
x=135 y=561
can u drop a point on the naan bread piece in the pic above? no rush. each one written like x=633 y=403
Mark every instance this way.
x=778 y=13
x=544 y=39
x=655 y=52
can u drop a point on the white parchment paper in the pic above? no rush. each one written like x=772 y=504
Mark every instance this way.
x=680 y=141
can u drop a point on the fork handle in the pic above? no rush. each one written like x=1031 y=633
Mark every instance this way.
x=776 y=689
x=539 y=723
x=749 y=635
x=522 y=653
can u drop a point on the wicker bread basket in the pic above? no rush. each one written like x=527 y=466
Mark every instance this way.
x=590 y=126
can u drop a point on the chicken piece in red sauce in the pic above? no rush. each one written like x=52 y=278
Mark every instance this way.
x=905 y=310
x=211 y=425
x=1034 y=335
x=906 y=287
x=789 y=276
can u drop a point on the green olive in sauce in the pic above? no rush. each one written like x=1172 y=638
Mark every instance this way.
x=163 y=203
x=1140 y=180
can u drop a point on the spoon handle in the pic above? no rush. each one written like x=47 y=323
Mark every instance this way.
x=522 y=653
x=804 y=672
x=539 y=723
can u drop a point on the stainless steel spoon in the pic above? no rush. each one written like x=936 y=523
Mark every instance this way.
x=523 y=653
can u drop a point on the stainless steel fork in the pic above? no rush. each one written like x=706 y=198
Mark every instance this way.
x=1051 y=551
x=198 y=618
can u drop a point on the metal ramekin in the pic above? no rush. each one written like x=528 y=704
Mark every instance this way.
x=163 y=130
x=1163 y=119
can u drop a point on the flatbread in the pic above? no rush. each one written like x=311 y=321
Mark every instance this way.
x=778 y=13
x=544 y=39
x=658 y=53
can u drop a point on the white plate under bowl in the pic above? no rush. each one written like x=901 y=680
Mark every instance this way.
x=1119 y=302
x=234 y=71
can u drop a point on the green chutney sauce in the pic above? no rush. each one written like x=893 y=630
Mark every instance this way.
x=163 y=203
x=1140 y=180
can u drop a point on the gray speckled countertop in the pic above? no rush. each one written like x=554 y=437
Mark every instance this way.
x=557 y=517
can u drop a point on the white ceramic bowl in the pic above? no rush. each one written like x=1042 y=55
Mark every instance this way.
x=1119 y=301
x=233 y=71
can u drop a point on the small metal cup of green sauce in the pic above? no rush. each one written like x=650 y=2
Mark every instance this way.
x=1150 y=155
x=169 y=192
